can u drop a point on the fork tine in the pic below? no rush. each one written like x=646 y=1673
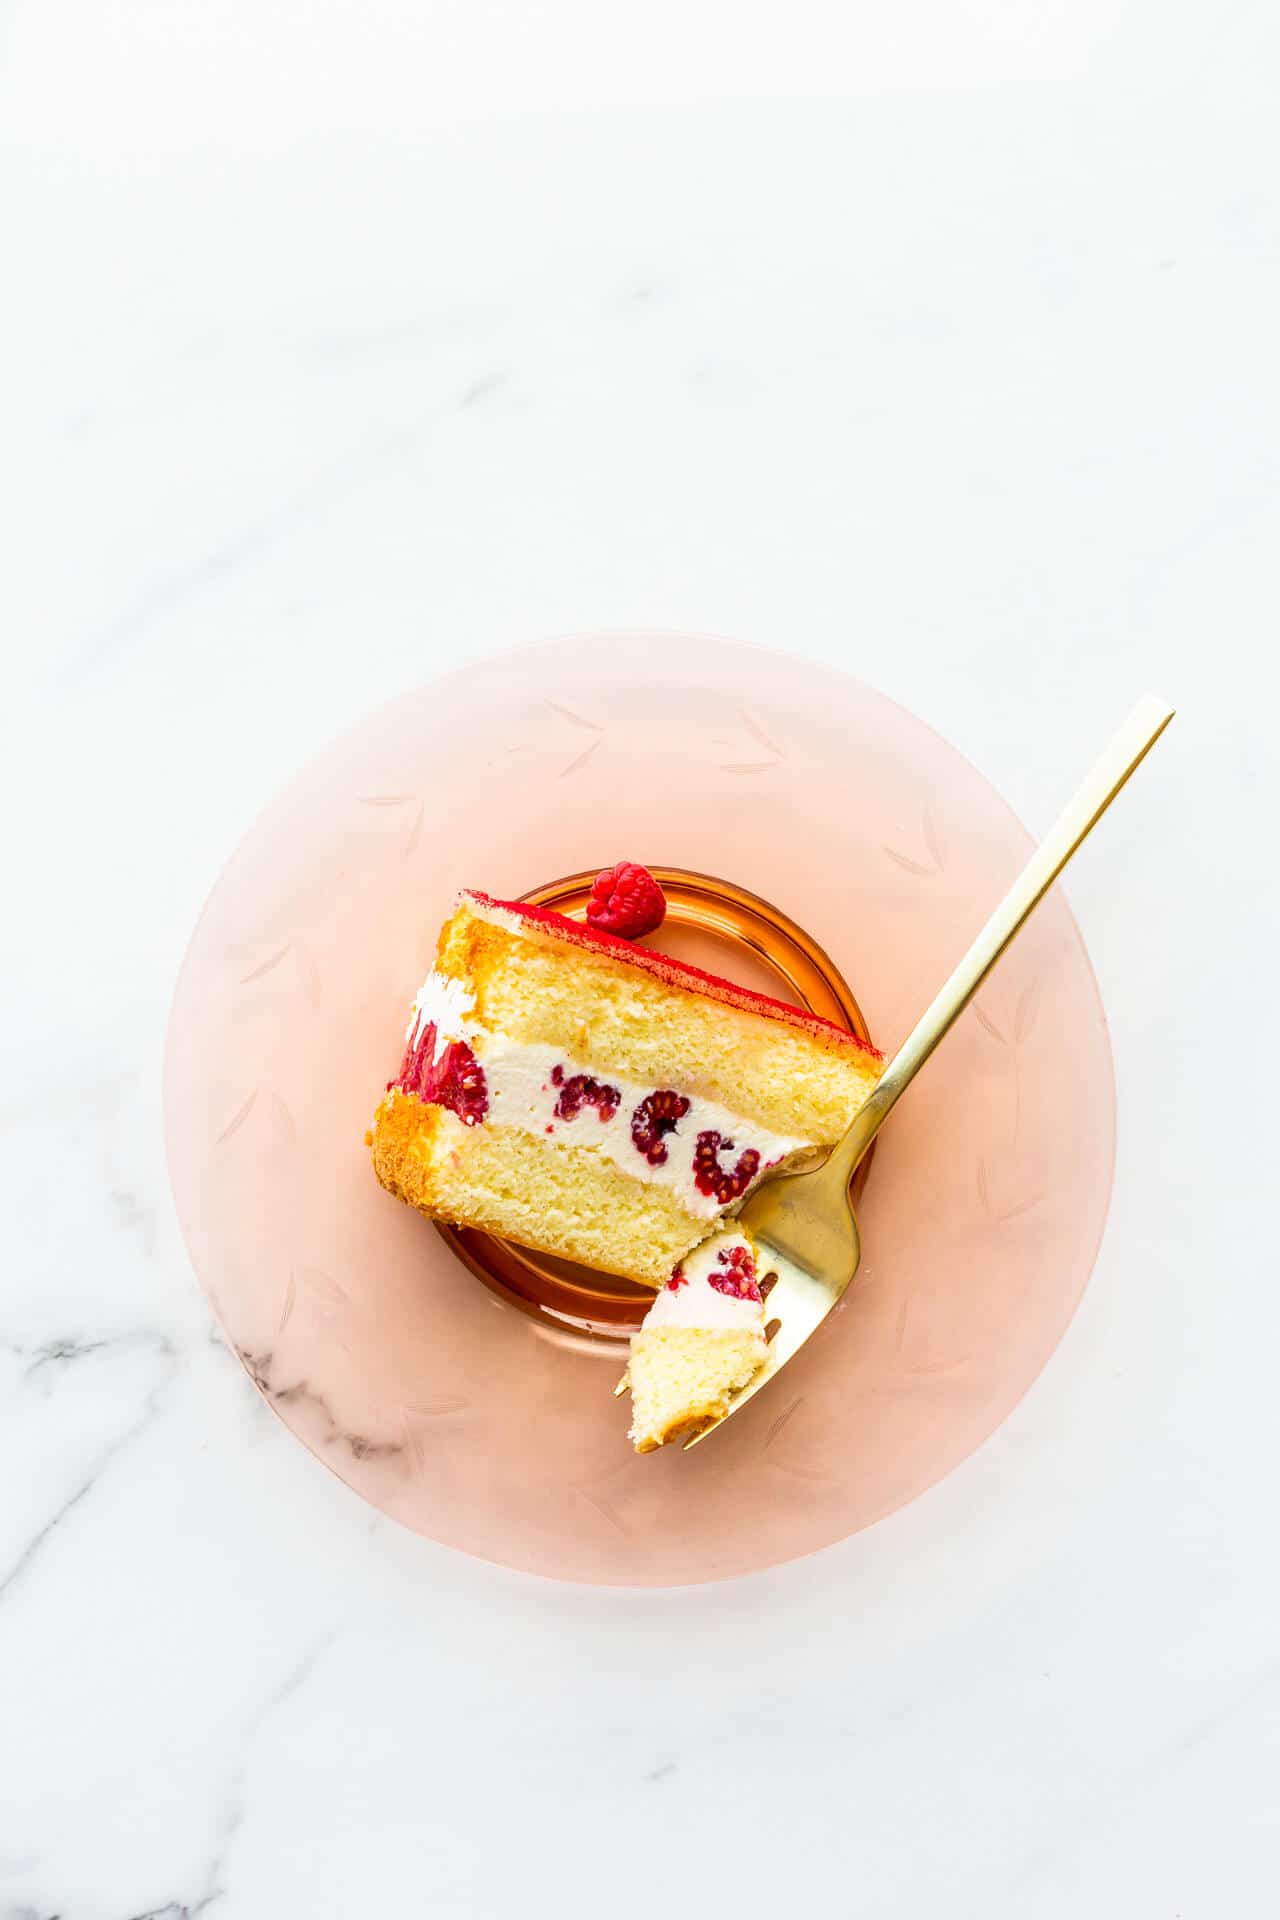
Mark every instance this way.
x=809 y=1212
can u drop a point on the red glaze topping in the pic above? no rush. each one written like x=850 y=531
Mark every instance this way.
x=677 y=973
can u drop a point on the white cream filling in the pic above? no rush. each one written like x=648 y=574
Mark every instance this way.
x=523 y=1093
x=445 y=1003
x=697 y=1303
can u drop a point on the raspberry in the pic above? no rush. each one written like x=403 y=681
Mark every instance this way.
x=582 y=1091
x=739 y=1276
x=626 y=900
x=456 y=1080
x=678 y=1279
x=416 y=1056
x=722 y=1183
x=657 y=1115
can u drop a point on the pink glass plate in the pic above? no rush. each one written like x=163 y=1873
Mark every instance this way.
x=488 y=1427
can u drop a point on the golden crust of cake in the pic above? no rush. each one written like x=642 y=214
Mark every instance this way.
x=570 y=1202
x=800 y=1081
x=681 y=1379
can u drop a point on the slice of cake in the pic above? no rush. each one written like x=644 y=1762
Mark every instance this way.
x=594 y=1099
x=702 y=1339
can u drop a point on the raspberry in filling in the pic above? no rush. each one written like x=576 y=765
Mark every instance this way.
x=722 y=1183
x=580 y=1091
x=454 y=1080
x=656 y=1116
x=735 y=1274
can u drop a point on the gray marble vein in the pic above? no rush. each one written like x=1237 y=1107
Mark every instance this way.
x=28 y=1554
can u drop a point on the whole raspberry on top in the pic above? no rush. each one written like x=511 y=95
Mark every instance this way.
x=626 y=900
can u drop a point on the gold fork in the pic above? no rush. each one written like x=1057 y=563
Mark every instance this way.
x=803 y=1222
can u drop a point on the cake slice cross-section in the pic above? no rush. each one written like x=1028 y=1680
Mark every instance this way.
x=592 y=1098
x=703 y=1338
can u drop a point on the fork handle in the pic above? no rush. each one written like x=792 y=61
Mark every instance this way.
x=1125 y=753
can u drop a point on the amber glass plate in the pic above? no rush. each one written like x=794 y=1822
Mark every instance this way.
x=464 y=1386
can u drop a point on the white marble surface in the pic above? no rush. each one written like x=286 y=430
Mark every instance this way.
x=320 y=373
